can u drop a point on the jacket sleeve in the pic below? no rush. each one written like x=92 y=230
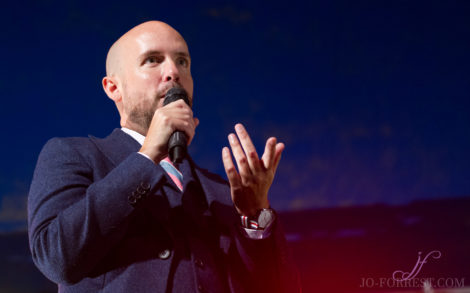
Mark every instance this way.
x=253 y=265
x=73 y=219
x=267 y=264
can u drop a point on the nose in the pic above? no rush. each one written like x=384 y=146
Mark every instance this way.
x=170 y=72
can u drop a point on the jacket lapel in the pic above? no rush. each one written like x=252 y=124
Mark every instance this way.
x=117 y=146
x=217 y=192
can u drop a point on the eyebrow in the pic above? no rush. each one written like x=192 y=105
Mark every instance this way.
x=156 y=52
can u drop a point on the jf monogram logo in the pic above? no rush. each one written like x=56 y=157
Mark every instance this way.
x=405 y=276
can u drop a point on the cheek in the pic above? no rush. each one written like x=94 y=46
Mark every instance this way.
x=188 y=85
x=141 y=78
x=139 y=75
x=144 y=76
x=144 y=84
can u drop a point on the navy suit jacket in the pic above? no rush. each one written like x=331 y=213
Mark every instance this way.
x=103 y=218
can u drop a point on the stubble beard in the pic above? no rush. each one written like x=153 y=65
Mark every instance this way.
x=141 y=115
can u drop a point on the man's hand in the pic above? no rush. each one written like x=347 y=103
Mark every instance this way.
x=249 y=188
x=166 y=120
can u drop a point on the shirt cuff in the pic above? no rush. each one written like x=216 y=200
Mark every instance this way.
x=259 y=234
x=145 y=156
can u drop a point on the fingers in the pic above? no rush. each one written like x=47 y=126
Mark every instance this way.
x=272 y=154
x=246 y=156
x=240 y=158
x=166 y=120
x=178 y=104
x=278 y=152
x=178 y=116
x=248 y=148
x=177 y=110
x=230 y=169
x=269 y=153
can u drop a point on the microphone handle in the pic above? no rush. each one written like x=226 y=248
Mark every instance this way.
x=178 y=142
x=177 y=146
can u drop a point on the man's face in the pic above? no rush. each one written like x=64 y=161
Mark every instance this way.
x=155 y=59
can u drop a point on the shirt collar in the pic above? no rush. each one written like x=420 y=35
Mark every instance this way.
x=134 y=134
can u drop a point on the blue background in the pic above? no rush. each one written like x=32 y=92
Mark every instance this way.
x=370 y=97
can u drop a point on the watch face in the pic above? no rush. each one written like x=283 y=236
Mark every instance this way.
x=265 y=216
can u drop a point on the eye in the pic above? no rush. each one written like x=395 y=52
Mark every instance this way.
x=183 y=62
x=153 y=60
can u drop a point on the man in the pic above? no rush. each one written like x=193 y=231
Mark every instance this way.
x=114 y=215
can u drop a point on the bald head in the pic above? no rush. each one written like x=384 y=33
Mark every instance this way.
x=141 y=67
x=120 y=49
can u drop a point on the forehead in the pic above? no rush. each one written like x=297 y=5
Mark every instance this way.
x=163 y=40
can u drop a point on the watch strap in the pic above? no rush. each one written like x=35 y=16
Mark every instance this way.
x=253 y=222
x=249 y=223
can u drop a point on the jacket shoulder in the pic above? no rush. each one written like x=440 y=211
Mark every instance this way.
x=59 y=145
x=70 y=151
x=68 y=142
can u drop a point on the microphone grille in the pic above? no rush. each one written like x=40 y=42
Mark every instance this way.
x=174 y=94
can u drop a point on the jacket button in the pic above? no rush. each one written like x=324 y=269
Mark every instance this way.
x=199 y=263
x=164 y=254
x=132 y=199
x=141 y=190
x=145 y=186
x=201 y=289
x=137 y=195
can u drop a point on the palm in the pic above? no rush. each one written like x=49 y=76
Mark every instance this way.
x=250 y=185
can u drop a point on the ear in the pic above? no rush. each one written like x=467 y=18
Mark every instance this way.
x=111 y=88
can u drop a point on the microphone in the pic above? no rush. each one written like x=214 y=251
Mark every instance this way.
x=178 y=142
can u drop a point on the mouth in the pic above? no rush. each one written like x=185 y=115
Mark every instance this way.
x=164 y=93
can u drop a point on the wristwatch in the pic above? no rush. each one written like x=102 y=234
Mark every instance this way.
x=265 y=217
x=259 y=222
